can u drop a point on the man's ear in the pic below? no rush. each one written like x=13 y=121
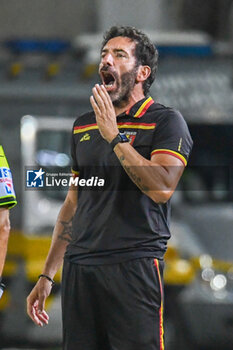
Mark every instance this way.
x=143 y=73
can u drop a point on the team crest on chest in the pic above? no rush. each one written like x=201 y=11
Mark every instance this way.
x=131 y=136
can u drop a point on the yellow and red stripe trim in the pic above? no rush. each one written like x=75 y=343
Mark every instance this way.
x=161 y=329
x=170 y=152
x=129 y=125
x=143 y=108
x=84 y=128
x=140 y=112
x=75 y=173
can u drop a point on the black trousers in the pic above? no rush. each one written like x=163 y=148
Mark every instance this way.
x=113 y=307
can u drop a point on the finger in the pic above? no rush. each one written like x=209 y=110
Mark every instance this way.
x=95 y=106
x=45 y=315
x=99 y=99
x=42 y=316
x=107 y=100
x=107 y=95
x=35 y=318
x=101 y=92
x=41 y=313
x=30 y=305
x=102 y=96
x=32 y=313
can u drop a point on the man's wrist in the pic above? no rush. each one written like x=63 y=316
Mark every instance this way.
x=120 y=138
x=48 y=278
x=112 y=138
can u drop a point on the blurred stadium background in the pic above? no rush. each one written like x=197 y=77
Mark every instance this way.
x=49 y=53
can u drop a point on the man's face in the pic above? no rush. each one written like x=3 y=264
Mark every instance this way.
x=118 y=69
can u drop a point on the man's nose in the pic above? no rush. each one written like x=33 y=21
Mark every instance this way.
x=108 y=59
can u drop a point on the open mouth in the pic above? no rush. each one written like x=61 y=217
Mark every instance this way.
x=108 y=80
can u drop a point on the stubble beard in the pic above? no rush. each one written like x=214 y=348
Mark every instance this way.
x=120 y=98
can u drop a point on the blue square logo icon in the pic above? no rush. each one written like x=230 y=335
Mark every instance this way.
x=35 y=178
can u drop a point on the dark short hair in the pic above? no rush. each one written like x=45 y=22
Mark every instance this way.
x=145 y=51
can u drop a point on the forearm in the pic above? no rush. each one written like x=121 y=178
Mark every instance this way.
x=60 y=239
x=155 y=180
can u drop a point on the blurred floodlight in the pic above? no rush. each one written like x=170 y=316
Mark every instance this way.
x=28 y=128
x=218 y=282
x=207 y=274
x=205 y=261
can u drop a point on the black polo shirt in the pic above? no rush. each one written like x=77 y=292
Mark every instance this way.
x=117 y=222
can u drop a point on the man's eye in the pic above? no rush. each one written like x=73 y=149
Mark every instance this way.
x=120 y=55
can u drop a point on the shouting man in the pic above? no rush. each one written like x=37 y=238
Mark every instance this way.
x=113 y=239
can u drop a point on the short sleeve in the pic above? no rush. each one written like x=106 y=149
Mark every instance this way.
x=172 y=136
x=74 y=163
x=7 y=193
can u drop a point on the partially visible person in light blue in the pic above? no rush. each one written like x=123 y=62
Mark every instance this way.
x=7 y=201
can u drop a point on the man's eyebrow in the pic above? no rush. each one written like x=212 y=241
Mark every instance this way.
x=115 y=50
x=121 y=50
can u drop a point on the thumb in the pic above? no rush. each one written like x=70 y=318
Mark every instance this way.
x=41 y=304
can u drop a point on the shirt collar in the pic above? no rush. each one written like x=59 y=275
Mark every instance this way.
x=140 y=107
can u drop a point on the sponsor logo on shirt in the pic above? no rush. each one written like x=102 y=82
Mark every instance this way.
x=131 y=136
x=6 y=182
x=85 y=137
